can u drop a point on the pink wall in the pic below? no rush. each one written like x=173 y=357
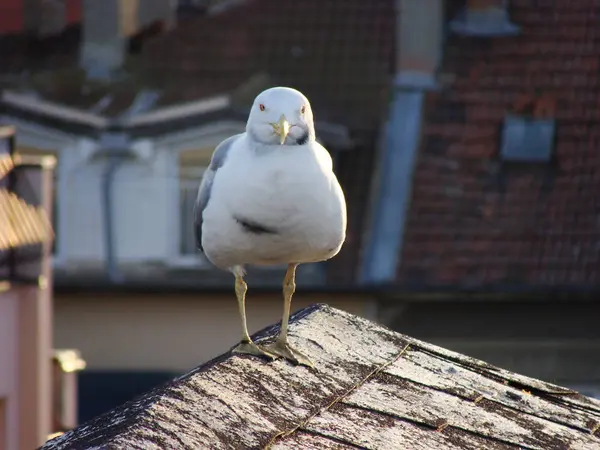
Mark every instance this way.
x=8 y=362
x=25 y=369
x=35 y=368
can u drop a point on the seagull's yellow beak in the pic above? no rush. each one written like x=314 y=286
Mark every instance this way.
x=281 y=128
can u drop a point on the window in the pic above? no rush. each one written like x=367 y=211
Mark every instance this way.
x=192 y=164
x=527 y=139
x=189 y=182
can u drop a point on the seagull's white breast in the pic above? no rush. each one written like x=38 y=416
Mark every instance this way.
x=291 y=189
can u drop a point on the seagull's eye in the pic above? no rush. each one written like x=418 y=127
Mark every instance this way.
x=303 y=109
x=261 y=107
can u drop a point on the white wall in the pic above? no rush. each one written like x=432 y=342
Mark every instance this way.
x=142 y=193
x=145 y=194
x=80 y=227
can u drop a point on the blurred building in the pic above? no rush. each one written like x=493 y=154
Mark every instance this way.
x=462 y=137
x=38 y=386
x=25 y=299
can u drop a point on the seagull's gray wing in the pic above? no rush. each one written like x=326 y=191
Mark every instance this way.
x=216 y=162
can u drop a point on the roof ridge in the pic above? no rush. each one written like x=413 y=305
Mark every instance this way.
x=374 y=388
x=336 y=400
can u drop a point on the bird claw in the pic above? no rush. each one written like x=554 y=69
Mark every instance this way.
x=284 y=350
x=250 y=348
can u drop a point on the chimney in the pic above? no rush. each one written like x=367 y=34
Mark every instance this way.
x=484 y=18
x=418 y=54
x=109 y=24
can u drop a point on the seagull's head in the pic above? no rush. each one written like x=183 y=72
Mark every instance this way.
x=281 y=116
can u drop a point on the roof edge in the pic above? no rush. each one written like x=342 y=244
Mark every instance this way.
x=156 y=122
x=34 y=105
x=179 y=111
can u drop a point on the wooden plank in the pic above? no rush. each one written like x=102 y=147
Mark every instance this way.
x=382 y=432
x=423 y=405
x=539 y=359
x=246 y=400
x=559 y=393
x=443 y=375
x=474 y=363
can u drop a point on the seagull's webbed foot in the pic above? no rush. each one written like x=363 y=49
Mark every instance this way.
x=283 y=349
x=250 y=348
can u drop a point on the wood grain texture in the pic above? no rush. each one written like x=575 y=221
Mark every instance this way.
x=371 y=389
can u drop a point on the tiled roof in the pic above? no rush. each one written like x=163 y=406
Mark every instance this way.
x=315 y=46
x=370 y=388
x=475 y=221
x=47 y=68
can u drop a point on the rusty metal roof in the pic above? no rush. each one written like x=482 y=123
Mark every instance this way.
x=372 y=389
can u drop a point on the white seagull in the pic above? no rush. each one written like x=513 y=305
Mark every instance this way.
x=269 y=196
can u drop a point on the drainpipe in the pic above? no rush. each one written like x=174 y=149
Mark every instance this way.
x=417 y=60
x=116 y=146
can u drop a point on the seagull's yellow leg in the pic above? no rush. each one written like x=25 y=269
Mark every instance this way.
x=246 y=345
x=281 y=347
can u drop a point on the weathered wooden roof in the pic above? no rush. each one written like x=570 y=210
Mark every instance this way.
x=372 y=388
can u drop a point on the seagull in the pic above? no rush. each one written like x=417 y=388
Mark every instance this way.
x=270 y=197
